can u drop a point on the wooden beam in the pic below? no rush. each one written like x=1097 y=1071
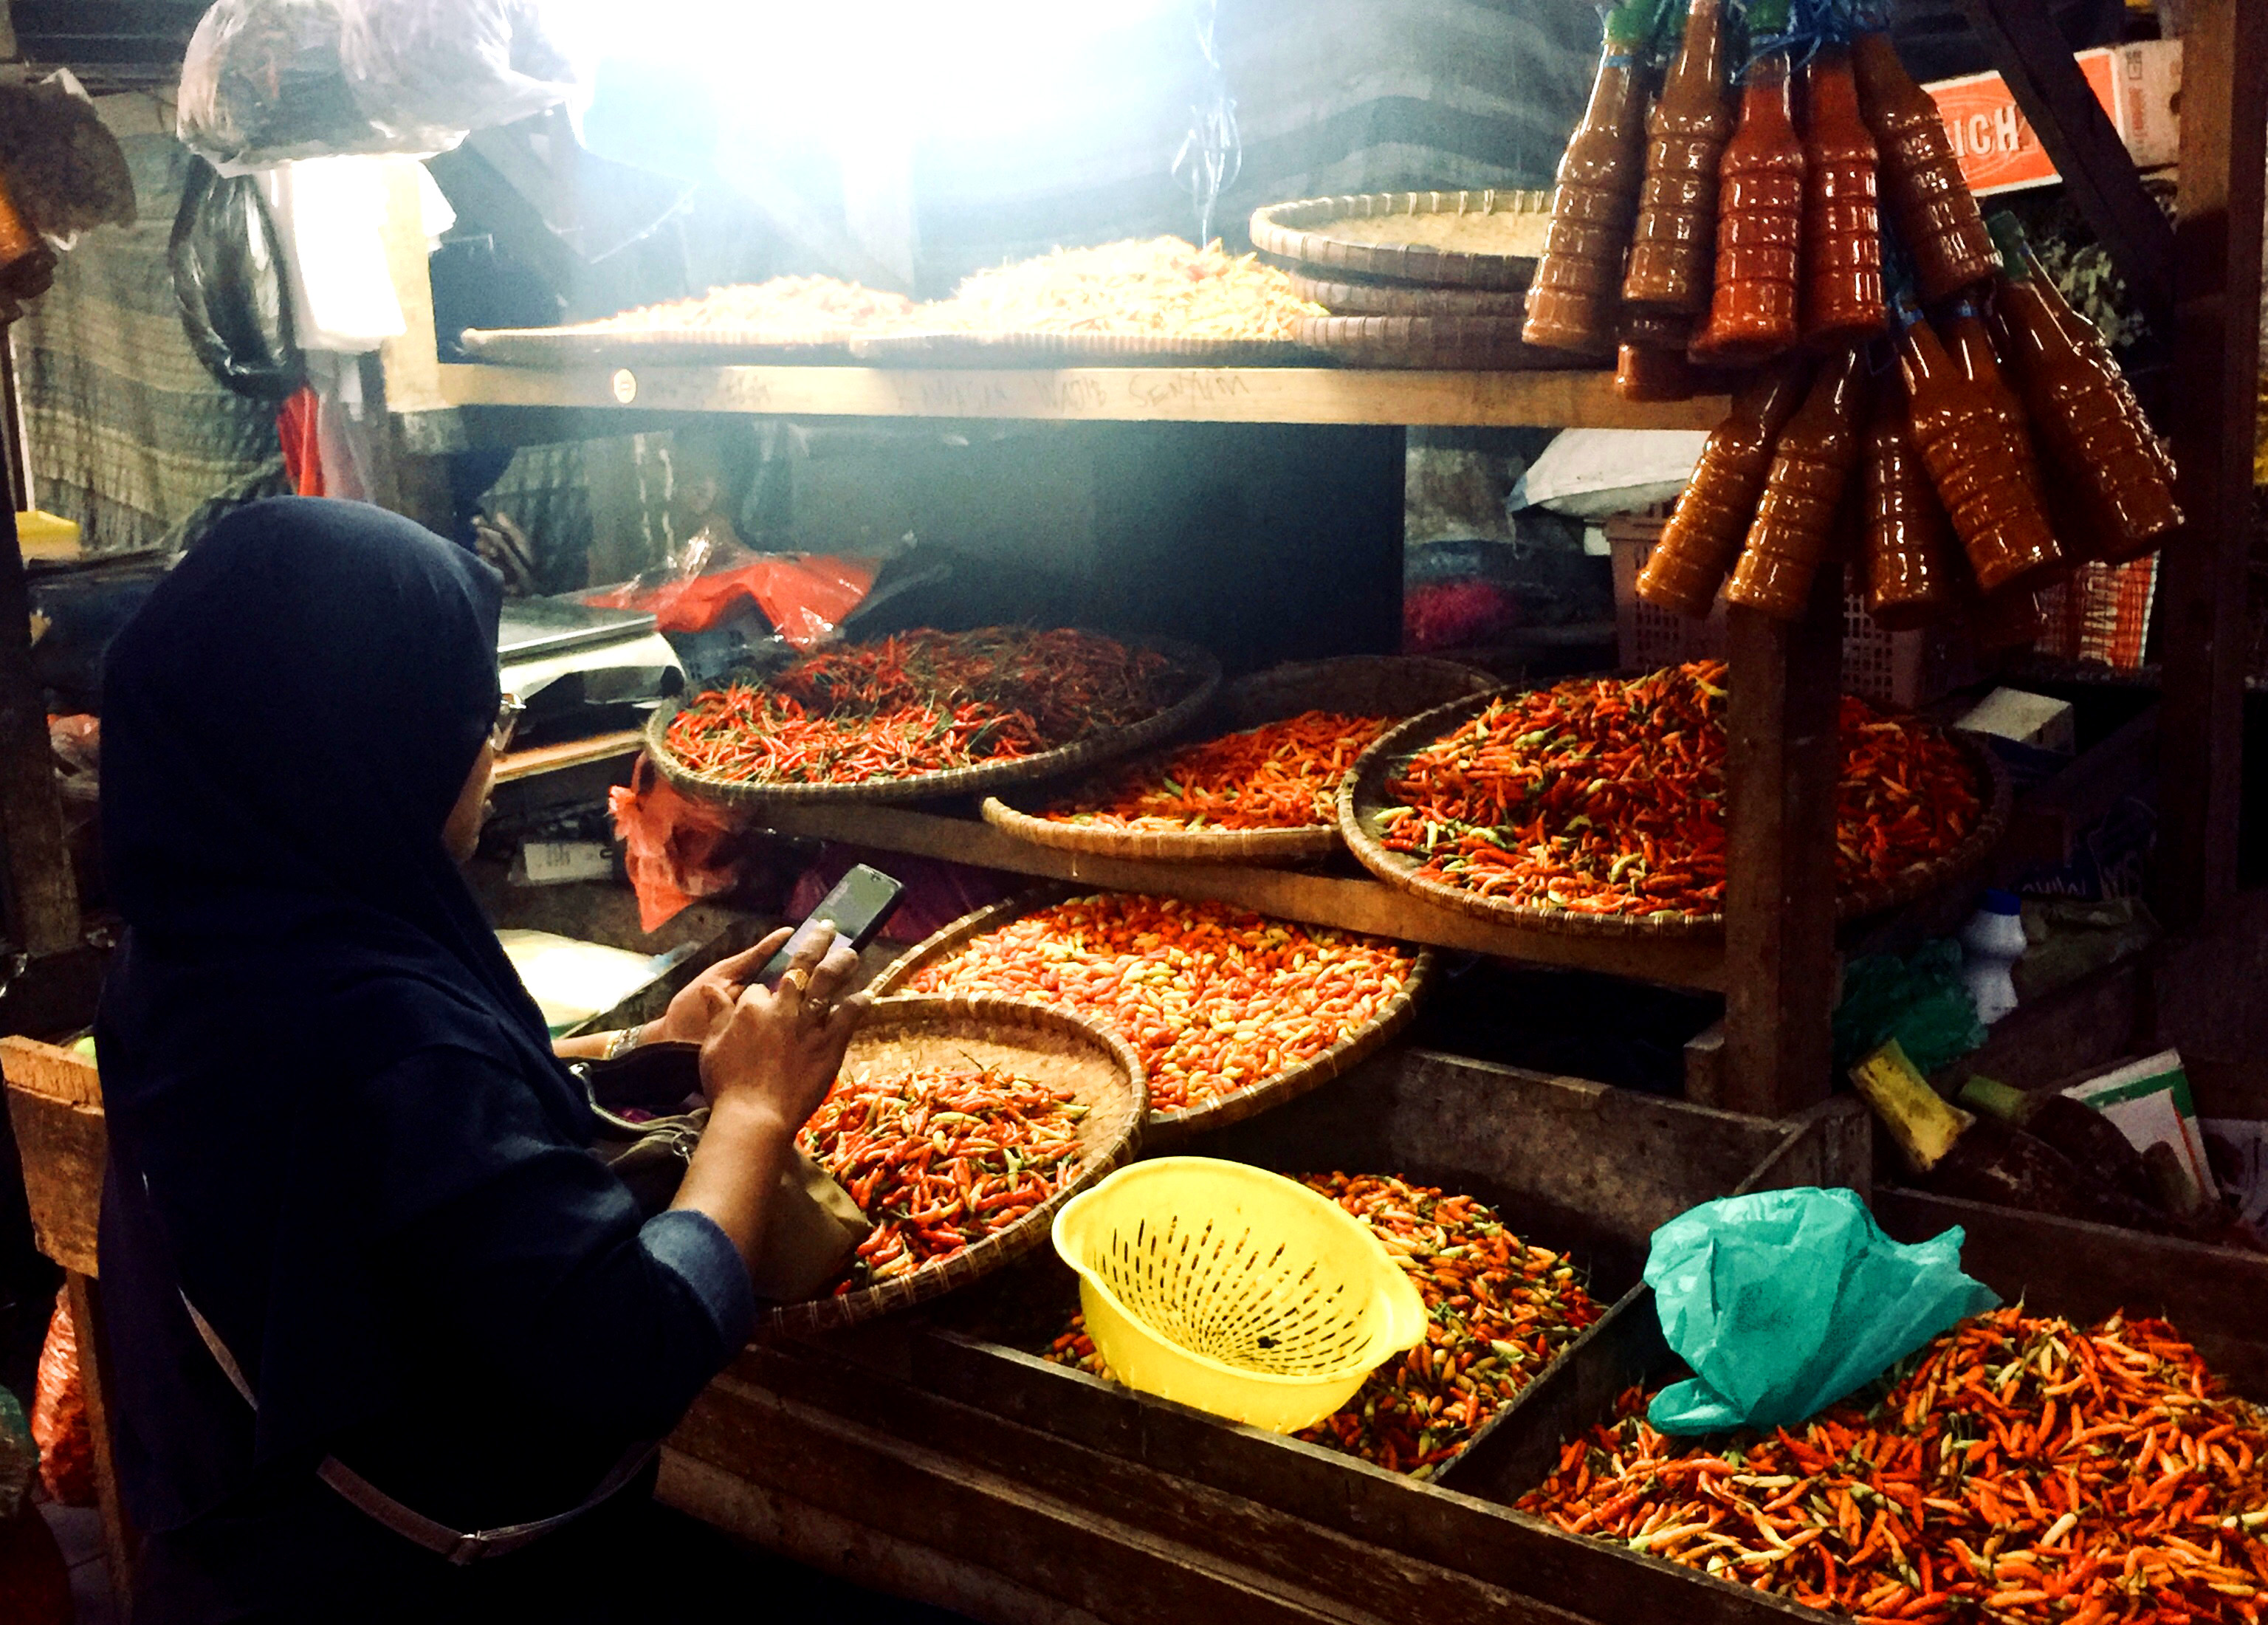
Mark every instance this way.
x=42 y=892
x=1088 y=394
x=1780 y=761
x=2036 y=63
x=1354 y=904
x=2201 y=631
x=522 y=764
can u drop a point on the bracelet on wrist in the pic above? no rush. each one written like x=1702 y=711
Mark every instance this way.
x=622 y=1042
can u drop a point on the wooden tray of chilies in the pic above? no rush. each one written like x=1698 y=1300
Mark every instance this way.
x=1165 y=1129
x=1033 y=1041
x=1359 y=684
x=1362 y=797
x=1196 y=671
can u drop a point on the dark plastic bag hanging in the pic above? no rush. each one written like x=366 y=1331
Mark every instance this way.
x=229 y=282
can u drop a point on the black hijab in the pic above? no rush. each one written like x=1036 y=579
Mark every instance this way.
x=286 y=724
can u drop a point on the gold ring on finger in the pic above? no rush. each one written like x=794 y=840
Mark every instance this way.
x=798 y=978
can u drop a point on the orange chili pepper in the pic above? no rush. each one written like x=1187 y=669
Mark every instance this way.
x=2101 y=1518
x=1280 y=775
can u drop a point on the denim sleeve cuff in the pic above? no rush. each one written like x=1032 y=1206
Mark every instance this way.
x=692 y=1247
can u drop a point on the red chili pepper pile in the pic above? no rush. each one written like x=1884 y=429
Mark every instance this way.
x=1500 y=1310
x=1213 y=999
x=921 y=702
x=1599 y=796
x=2020 y=1470
x=1280 y=775
x=940 y=1157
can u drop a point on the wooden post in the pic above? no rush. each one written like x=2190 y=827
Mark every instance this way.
x=42 y=895
x=2201 y=623
x=1781 y=760
x=120 y=1541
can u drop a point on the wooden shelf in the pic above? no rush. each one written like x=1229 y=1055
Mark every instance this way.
x=1082 y=394
x=573 y=753
x=1349 y=904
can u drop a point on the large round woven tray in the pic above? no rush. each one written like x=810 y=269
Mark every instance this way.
x=586 y=346
x=1359 y=686
x=1061 y=350
x=1165 y=1129
x=1461 y=343
x=1200 y=671
x=1301 y=231
x=1362 y=797
x=1045 y=1045
x=1387 y=299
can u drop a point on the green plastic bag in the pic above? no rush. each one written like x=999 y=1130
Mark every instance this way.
x=1783 y=1301
x=1920 y=1002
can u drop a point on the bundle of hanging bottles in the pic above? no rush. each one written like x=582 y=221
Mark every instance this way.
x=1799 y=227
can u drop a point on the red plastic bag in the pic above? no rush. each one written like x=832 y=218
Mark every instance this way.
x=804 y=596
x=59 y=1424
x=303 y=455
x=675 y=850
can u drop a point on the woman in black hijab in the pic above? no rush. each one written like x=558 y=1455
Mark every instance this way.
x=338 y=1134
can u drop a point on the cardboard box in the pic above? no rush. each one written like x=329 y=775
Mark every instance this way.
x=2138 y=85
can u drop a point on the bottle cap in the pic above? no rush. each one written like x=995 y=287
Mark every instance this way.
x=1998 y=901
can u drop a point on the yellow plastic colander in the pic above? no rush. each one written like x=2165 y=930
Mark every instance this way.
x=1235 y=1289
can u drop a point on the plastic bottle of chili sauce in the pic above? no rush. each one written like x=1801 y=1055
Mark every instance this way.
x=1841 y=229
x=1985 y=479
x=2090 y=435
x=1929 y=200
x=1752 y=309
x=1910 y=562
x=1571 y=304
x=1698 y=546
x=1811 y=470
x=1676 y=236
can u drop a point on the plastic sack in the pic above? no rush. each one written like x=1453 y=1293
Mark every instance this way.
x=1783 y=1301
x=1921 y=1002
x=1589 y=472
x=59 y=1424
x=228 y=281
x=675 y=849
x=267 y=81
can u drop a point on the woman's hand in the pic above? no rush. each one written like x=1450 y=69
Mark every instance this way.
x=778 y=1050
x=702 y=1002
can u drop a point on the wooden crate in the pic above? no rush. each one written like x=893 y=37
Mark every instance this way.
x=939 y=1456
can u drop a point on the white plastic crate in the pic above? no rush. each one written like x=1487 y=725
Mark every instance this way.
x=1904 y=669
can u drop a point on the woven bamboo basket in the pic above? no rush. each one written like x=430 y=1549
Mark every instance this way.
x=1362 y=797
x=1359 y=685
x=587 y=346
x=1385 y=298
x=1301 y=231
x=1168 y=1128
x=1456 y=343
x=1057 y=349
x=1034 y=1041
x=1197 y=673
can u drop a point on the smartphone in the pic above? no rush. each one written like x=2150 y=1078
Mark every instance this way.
x=860 y=904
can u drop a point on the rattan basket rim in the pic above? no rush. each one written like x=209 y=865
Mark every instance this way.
x=1359 y=802
x=1172 y=1127
x=1464 y=343
x=564 y=346
x=989 y=1019
x=1297 y=230
x=1104 y=747
x=1344 y=297
x=1040 y=349
x=1262 y=696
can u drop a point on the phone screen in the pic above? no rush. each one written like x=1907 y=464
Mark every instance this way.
x=859 y=907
